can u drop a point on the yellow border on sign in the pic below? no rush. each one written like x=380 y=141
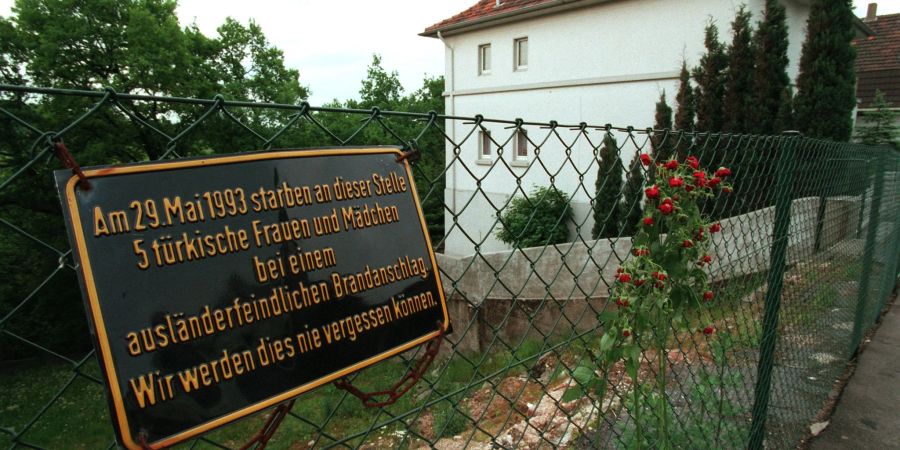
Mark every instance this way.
x=97 y=315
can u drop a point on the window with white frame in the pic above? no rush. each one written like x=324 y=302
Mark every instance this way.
x=521 y=146
x=520 y=53
x=485 y=145
x=484 y=59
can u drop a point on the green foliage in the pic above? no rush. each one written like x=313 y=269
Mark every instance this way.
x=685 y=110
x=653 y=290
x=880 y=125
x=739 y=75
x=139 y=47
x=710 y=78
x=608 y=210
x=826 y=86
x=634 y=195
x=541 y=218
x=770 y=79
x=661 y=142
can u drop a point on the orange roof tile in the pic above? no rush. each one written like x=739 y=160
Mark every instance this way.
x=485 y=9
x=878 y=61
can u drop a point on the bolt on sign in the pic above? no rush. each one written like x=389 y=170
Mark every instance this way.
x=216 y=287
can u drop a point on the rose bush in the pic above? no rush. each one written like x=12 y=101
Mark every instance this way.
x=653 y=288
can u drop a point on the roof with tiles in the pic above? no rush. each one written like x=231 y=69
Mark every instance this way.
x=485 y=9
x=878 y=61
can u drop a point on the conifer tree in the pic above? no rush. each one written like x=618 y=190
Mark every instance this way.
x=710 y=77
x=770 y=79
x=661 y=140
x=826 y=85
x=784 y=118
x=608 y=211
x=739 y=76
x=881 y=128
x=684 y=111
x=634 y=193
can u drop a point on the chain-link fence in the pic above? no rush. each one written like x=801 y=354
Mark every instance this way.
x=804 y=262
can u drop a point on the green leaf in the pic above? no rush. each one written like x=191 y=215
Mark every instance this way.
x=606 y=343
x=607 y=316
x=583 y=375
x=598 y=385
x=573 y=393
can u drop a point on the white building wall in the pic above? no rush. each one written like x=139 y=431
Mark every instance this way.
x=602 y=64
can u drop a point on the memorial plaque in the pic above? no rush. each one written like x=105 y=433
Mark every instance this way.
x=220 y=286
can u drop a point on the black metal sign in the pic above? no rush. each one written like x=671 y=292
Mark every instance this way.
x=217 y=287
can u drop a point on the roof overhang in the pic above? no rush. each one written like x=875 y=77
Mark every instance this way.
x=860 y=28
x=515 y=15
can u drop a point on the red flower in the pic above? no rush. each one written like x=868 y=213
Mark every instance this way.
x=652 y=192
x=699 y=175
x=624 y=277
x=666 y=207
x=713 y=181
x=660 y=285
x=626 y=333
x=715 y=228
x=688 y=188
x=619 y=301
x=708 y=295
x=648 y=221
x=672 y=164
x=723 y=172
x=687 y=243
x=639 y=282
x=709 y=330
x=693 y=162
x=646 y=159
x=661 y=276
x=675 y=182
x=726 y=189
x=619 y=270
x=705 y=260
x=641 y=251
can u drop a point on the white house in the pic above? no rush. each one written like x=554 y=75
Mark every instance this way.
x=573 y=61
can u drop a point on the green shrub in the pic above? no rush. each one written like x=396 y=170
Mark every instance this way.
x=541 y=218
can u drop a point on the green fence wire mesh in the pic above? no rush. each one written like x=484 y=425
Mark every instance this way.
x=805 y=261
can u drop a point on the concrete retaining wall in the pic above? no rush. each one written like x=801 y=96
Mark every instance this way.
x=557 y=289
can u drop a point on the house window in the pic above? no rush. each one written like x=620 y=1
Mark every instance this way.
x=484 y=59
x=485 y=146
x=520 y=53
x=521 y=146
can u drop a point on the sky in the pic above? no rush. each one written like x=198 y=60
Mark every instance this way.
x=331 y=42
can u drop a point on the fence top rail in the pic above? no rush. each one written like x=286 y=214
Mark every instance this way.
x=304 y=107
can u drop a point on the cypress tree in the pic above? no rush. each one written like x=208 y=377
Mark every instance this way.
x=634 y=193
x=710 y=77
x=684 y=111
x=739 y=76
x=608 y=211
x=826 y=85
x=770 y=79
x=662 y=140
x=784 y=118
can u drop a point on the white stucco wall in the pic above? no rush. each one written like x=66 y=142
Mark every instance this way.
x=606 y=63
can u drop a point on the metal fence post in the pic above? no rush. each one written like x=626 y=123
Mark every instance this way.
x=868 y=258
x=784 y=171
